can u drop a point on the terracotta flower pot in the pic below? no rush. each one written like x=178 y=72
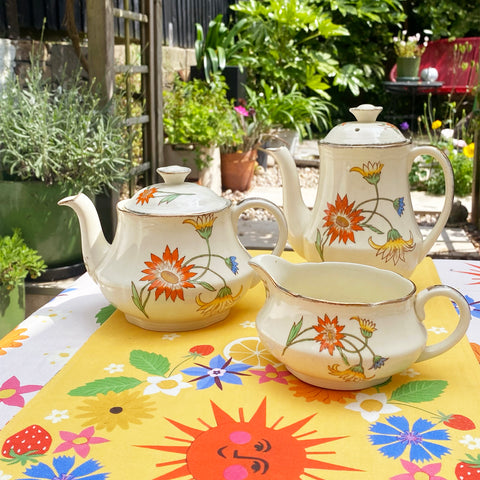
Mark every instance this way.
x=238 y=170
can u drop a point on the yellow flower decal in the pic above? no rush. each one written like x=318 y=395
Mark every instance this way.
x=223 y=301
x=116 y=410
x=394 y=248
x=203 y=224
x=469 y=150
x=354 y=373
x=367 y=327
x=436 y=124
x=370 y=171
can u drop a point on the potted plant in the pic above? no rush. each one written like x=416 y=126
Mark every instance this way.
x=196 y=120
x=409 y=51
x=55 y=139
x=17 y=261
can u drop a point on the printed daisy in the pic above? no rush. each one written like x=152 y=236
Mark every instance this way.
x=114 y=368
x=145 y=195
x=342 y=220
x=57 y=416
x=371 y=406
x=472 y=443
x=167 y=275
x=167 y=385
x=329 y=333
x=115 y=410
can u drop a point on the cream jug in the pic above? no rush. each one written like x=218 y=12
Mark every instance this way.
x=363 y=211
x=347 y=326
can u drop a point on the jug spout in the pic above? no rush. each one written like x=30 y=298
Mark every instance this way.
x=271 y=269
x=94 y=245
x=296 y=211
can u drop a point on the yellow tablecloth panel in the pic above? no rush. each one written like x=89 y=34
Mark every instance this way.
x=211 y=404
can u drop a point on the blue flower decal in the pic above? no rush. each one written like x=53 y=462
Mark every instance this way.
x=217 y=372
x=232 y=264
x=474 y=306
x=63 y=470
x=399 y=205
x=397 y=436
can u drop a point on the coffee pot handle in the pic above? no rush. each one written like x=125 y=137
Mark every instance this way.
x=462 y=325
x=444 y=162
x=270 y=207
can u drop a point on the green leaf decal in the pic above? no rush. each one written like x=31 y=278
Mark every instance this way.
x=207 y=286
x=136 y=297
x=105 y=385
x=419 y=391
x=294 y=331
x=104 y=314
x=373 y=229
x=150 y=362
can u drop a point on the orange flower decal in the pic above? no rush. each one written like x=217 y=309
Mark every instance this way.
x=311 y=393
x=145 y=195
x=12 y=340
x=167 y=275
x=342 y=220
x=329 y=333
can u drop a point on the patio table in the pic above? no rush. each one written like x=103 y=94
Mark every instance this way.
x=95 y=397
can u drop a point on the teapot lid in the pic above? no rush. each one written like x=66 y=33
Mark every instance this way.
x=366 y=130
x=175 y=197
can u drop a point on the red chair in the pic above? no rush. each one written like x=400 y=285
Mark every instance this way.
x=447 y=59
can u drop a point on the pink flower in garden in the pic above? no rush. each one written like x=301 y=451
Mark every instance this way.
x=271 y=374
x=430 y=471
x=11 y=392
x=79 y=442
x=241 y=110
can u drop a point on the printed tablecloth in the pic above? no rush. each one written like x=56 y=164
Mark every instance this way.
x=213 y=404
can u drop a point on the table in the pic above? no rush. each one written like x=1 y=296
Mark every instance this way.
x=106 y=399
x=411 y=89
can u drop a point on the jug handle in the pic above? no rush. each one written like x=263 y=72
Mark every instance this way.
x=444 y=162
x=270 y=207
x=462 y=325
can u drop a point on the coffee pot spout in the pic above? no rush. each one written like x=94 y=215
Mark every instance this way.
x=297 y=213
x=94 y=245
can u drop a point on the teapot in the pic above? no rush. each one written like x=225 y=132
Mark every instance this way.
x=176 y=262
x=362 y=211
x=347 y=326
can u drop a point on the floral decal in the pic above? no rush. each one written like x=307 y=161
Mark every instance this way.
x=351 y=348
x=171 y=274
x=11 y=392
x=153 y=193
x=397 y=435
x=429 y=472
x=344 y=218
x=79 y=442
x=12 y=340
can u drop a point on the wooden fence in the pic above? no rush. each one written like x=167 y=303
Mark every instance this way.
x=24 y=17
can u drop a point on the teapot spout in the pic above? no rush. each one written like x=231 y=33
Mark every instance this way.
x=94 y=245
x=296 y=211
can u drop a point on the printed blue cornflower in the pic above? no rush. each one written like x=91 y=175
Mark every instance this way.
x=474 y=306
x=218 y=371
x=397 y=436
x=63 y=470
x=399 y=205
x=232 y=264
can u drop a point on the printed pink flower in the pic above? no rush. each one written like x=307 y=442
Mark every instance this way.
x=79 y=442
x=430 y=471
x=271 y=374
x=11 y=392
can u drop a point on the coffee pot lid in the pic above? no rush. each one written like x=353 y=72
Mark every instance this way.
x=366 y=130
x=175 y=197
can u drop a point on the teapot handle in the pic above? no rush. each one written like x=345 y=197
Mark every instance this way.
x=444 y=162
x=462 y=325
x=270 y=207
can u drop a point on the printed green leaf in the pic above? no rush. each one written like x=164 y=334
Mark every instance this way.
x=105 y=385
x=294 y=331
x=373 y=229
x=419 y=391
x=150 y=362
x=104 y=314
x=168 y=198
x=207 y=286
x=136 y=297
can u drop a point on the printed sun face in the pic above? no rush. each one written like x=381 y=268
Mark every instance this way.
x=240 y=449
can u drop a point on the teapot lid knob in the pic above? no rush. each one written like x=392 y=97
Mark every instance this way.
x=174 y=174
x=366 y=113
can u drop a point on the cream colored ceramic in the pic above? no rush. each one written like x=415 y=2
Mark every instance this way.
x=347 y=326
x=176 y=262
x=363 y=211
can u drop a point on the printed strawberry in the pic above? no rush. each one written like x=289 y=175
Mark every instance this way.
x=456 y=421
x=26 y=445
x=468 y=469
